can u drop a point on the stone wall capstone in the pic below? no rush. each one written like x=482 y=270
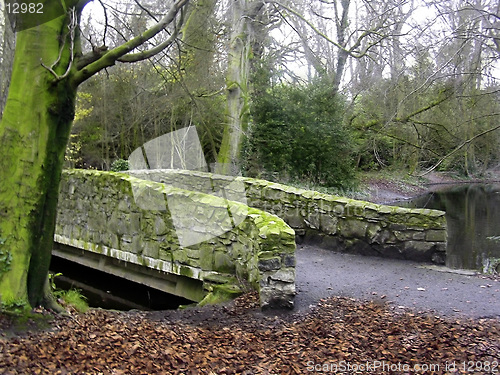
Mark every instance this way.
x=181 y=232
x=329 y=221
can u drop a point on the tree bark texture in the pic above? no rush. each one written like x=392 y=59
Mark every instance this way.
x=34 y=132
x=237 y=86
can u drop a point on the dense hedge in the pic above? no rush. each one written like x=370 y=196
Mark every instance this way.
x=298 y=134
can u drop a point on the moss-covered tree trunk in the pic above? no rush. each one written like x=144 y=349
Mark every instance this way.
x=33 y=133
x=238 y=105
x=7 y=45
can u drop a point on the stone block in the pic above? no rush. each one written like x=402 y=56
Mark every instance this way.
x=352 y=228
x=403 y=236
x=192 y=253
x=397 y=226
x=151 y=249
x=223 y=263
x=124 y=205
x=113 y=241
x=286 y=275
x=313 y=220
x=328 y=224
x=288 y=260
x=276 y=298
x=295 y=221
x=435 y=235
x=372 y=232
x=418 y=235
x=165 y=255
x=206 y=257
x=269 y=264
x=354 y=209
x=371 y=212
x=179 y=255
x=160 y=228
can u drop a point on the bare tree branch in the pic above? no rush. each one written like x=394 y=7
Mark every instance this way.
x=134 y=57
x=458 y=148
x=111 y=56
x=71 y=31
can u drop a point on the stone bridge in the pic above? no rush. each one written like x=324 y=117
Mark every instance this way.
x=209 y=237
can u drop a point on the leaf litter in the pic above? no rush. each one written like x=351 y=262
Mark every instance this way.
x=238 y=338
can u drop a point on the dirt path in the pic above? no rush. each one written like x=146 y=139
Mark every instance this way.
x=402 y=284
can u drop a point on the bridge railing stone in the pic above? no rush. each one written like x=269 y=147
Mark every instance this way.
x=330 y=221
x=148 y=223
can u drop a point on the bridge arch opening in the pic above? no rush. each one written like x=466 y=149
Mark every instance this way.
x=108 y=291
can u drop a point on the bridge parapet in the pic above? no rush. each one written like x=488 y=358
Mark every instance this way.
x=166 y=228
x=330 y=221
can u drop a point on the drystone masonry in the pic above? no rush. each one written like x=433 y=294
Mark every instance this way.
x=329 y=221
x=180 y=232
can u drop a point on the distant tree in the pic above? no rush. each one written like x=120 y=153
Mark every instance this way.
x=244 y=14
x=440 y=110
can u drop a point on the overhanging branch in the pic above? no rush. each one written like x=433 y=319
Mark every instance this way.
x=113 y=55
x=134 y=57
x=73 y=23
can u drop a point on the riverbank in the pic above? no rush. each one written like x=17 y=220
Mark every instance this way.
x=390 y=187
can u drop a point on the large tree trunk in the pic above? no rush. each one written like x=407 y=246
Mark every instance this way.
x=33 y=133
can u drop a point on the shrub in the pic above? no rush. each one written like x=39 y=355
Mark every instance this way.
x=298 y=133
x=119 y=165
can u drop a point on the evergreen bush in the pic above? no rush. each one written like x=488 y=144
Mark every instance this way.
x=119 y=165
x=298 y=134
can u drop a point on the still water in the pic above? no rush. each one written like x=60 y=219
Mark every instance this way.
x=473 y=215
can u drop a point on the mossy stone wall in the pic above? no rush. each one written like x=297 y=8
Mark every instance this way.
x=329 y=221
x=147 y=223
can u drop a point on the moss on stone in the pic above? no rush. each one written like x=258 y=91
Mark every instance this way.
x=220 y=294
x=223 y=263
x=185 y=271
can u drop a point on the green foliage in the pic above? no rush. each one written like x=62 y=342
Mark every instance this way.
x=119 y=165
x=72 y=157
x=16 y=307
x=298 y=134
x=72 y=297
x=414 y=124
x=52 y=280
x=120 y=112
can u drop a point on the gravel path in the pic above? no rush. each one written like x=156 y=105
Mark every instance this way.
x=402 y=284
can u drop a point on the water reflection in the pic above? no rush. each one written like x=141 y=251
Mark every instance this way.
x=473 y=215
